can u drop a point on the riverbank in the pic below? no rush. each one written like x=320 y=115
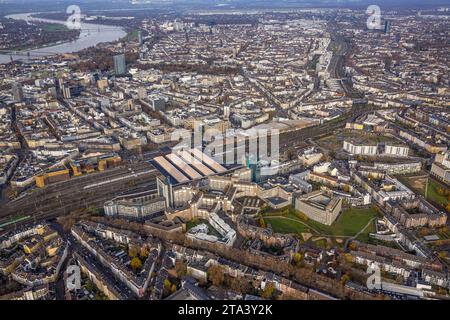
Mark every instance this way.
x=90 y=36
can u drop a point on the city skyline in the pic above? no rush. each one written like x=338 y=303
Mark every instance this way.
x=224 y=150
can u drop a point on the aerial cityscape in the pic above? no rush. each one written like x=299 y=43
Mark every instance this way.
x=224 y=150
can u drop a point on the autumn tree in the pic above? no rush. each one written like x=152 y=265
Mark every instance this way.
x=352 y=246
x=348 y=257
x=11 y=193
x=180 y=268
x=167 y=284
x=133 y=251
x=216 y=275
x=268 y=291
x=262 y=223
x=442 y=254
x=144 y=252
x=240 y=285
x=297 y=257
x=441 y=291
x=345 y=278
x=136 y=264
x=93 y=210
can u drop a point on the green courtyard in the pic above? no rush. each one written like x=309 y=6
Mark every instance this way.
x=437 y=193
x=348 y=224
x=434 y=191
x=196 y=221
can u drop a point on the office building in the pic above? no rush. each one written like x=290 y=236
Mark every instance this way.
x=319 y=206
x=17 y=92
x=120 y=67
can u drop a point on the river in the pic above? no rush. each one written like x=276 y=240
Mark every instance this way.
x=90 y=35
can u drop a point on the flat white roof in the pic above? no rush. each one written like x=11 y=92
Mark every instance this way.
x=197 y=164
x=166 y=165
x=184 y=167
x=210 y=162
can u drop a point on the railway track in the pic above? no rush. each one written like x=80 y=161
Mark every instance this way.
x=49 y=192
x=63 y=207
x=65 y=197
x=291 y=138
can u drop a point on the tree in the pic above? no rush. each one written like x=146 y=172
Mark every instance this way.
x=399 y=279
x=93 y=210
x=180 y=268
x=442 y=254
x=441 y=291
x=268 y=291
x=423 y=232
x=301 y=216
x=348 y=257
x=133 y=251
x=144 y=252
x=12 y=193
x=167 y=284
x=216 y=275
x=262 y=223
x=240 y=285
x=352 y=246
x=291 y=154
x=345 y=278
x=297 y=257
x=90 y=286
x=136 y=263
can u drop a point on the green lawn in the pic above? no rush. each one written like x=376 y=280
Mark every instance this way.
x=432 y=194
x=192 y=223
x=132 y=35
x=195 y=222
x=348 y=224
x=55 y=27
x=322 y=243
x=431 y=189
x=282 y=225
